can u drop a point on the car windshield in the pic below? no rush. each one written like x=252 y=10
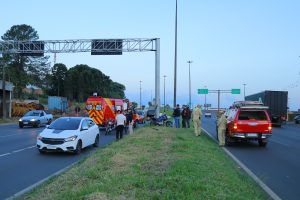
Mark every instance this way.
x=32 y=113
x=252 y=115
x=65 y=124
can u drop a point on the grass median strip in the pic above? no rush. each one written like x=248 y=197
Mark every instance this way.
x=153 y=163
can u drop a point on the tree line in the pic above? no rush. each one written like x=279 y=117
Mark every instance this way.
x=76 y=83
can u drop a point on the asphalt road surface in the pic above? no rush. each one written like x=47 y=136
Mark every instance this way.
x=21 y=165
x=277 y=165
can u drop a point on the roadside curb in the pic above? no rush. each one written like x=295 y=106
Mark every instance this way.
x=268 y=190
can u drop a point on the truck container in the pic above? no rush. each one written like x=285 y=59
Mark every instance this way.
x=277 y=103
x=57 y=103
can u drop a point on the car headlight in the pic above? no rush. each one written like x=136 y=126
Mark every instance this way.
x=20 y=120
x=39 y=137
x=72 y=138
x=32 y=120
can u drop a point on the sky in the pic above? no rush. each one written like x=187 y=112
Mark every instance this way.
x=230 y=42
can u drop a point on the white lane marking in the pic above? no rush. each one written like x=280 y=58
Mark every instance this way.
x=9 y=135
x=6 y=154
x=16 y=151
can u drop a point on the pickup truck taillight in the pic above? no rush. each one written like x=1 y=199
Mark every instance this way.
x=270 y=127
x=235 y=126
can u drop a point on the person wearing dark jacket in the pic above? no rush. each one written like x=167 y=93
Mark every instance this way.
x=176 y=115
x=189 y=116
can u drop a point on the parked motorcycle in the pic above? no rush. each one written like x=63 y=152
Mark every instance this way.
x=162 y=120
x=109 y=127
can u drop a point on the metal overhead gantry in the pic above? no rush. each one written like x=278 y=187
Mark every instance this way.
x=95 y=46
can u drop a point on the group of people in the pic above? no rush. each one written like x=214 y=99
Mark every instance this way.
x=196 y=116
x=124 y=122
x=186 y=115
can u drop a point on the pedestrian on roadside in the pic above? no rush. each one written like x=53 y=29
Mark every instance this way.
x=121 y=121
x=197 y=114
x=189 y=116
x=184 y=116
x=129 y=118
x=176 y=115
x=222 y=122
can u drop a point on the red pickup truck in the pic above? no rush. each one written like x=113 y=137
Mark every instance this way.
x=248 y=120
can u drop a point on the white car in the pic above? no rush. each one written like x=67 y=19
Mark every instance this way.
x=207 y=114
x=68 y=134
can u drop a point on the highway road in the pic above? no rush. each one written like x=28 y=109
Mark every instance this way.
x=277 y=165
x=21 y=165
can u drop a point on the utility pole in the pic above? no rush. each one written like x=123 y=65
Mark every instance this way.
x=140 y=94
x=175 y=58
x=244 y=91
x=190 y=101
x=165 y=93
x=3 y=92
x=205 y=106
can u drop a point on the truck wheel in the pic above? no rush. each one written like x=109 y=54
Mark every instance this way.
x=262 y=143
x=228 y=141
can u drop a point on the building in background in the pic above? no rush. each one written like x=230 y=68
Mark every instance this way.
x=8 y=91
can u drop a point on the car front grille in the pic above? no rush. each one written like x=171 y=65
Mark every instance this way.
x=52 y=141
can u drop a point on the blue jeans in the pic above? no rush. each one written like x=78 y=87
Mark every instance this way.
x=177 y=122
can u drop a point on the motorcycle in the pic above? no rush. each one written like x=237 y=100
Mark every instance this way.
x=162 y=120
x=109 y=126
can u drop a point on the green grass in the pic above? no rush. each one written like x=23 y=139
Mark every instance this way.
x=154 y=163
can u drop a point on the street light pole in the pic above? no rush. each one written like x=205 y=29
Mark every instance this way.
x=244 y=91
x=140 y=94
x=175 y=58
x=165 y=93
x=205 y=106
x=190 y=101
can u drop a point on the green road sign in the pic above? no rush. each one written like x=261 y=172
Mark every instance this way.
x=202 y=91
x=235 y=91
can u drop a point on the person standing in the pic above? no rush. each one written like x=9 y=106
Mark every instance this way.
x=222 y=122
x=176 y=115
x=184 y=117
x=188 y=116
x=121 y=121
x=197 y=114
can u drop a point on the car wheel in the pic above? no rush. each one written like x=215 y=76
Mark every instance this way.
x=78 y=147
x=38 y=124
x=42 y=151
x=96 y=144
x=262 y=143
x=21 y=126
x=49 y=121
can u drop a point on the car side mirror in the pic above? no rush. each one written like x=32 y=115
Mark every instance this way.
x=83 y=128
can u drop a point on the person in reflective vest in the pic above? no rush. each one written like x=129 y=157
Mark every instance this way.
x=197 y=114
x=222 y=122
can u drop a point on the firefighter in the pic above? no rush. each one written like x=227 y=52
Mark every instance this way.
x=197 y=114
x=222 y=122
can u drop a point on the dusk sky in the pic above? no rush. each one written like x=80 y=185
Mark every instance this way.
x=231 y=43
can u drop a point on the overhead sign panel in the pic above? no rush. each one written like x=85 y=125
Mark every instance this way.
x=235 y=91
x=202 y=91
x=32 y=48
x=107 y=47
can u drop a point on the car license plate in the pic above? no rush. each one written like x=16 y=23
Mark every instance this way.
x=252 y=135
x=25 y=122
x=51 y=147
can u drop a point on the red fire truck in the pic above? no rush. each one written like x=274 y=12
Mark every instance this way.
x=103 y=110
